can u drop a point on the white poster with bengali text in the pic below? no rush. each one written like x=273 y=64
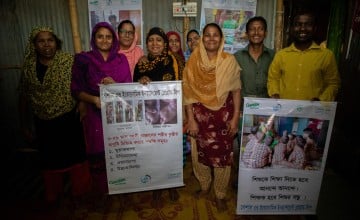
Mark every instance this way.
x=143 y=135
x=114 y=12
x=284 y=146
x=231 y=16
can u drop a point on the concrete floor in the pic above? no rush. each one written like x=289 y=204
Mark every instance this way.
x=338 y=199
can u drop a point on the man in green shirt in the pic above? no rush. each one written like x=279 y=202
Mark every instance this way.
x=255 y=60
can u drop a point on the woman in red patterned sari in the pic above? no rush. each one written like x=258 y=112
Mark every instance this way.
x=211 y=86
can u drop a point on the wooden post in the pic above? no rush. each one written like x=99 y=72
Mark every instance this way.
x=279 y=24
x=74 y=26
x=186 y=30
x=186 y=25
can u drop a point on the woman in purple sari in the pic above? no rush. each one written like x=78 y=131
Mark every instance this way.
x=101 y=65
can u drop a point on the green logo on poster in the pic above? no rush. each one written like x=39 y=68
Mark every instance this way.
x=119 y=181
x=253 y=105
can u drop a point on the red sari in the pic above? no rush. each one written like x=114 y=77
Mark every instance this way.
x=214 y=143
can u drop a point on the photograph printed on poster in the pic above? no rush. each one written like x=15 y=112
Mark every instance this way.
x=161 y=111
x=282 y=142
x=109 y=112
x=157 y=111
x=119 y=112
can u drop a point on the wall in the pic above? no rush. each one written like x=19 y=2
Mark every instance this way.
x=18 y=18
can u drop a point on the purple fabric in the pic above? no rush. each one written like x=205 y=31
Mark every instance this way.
x=88 y=70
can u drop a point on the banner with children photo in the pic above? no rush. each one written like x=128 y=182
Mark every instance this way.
x=142 y=127
x=284 y=146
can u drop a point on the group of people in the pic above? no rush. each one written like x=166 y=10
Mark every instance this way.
x=63 y=92
x=265 y=149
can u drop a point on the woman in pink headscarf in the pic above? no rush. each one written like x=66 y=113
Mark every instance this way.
x=127 y=41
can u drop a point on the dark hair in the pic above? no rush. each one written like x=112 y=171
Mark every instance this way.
x=300 y=141
x=307 y=129
x=125 y=22
x=284 y=139
x=268 y=140
x=213 y=25
x=304 y=11
x=254 y=129
x=256 y=18
x=112 y=17
x=192 y=31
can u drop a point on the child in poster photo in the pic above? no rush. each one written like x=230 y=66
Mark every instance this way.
x=152 y=115
x=168 y=112
x=119 y=112
x=129 y=114
x=109 y=113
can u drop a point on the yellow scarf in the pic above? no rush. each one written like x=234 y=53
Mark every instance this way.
x=210 y=81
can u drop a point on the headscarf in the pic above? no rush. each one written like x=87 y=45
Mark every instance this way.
x=133 y=54
x=52 y=97
x=179 y=53
x=160 y=32
x=115 y=43
x=30 y=51
x=160 y=62
x=210 y=81
x=90 y=67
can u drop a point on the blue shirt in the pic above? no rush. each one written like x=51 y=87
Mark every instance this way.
x=187 y=54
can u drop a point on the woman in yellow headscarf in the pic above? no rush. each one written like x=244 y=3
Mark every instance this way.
x=211 y=89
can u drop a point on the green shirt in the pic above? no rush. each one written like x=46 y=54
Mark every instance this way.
x=253 y=74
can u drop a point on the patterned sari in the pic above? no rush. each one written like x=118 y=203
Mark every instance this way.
x=208 y=86
x=214 y=143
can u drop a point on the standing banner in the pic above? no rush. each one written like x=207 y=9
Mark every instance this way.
x=284 y=147
x=232 y=17
x=143 y=135
x=115 y=11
